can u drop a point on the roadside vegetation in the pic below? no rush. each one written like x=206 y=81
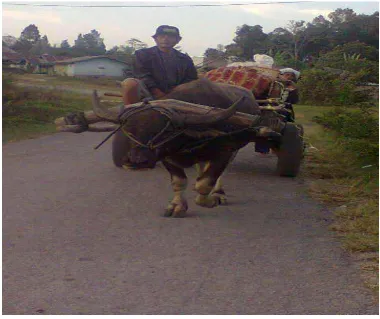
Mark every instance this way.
x=30 y=112
x=342 y=162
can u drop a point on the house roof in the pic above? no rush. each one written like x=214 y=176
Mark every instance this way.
x=45 y=59
x=12 y=56
x=52 y=58
x=87 y=58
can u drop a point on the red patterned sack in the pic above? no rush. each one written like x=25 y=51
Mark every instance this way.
x=255 y=79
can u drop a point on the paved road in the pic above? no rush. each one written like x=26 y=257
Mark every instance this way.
x=83 y=237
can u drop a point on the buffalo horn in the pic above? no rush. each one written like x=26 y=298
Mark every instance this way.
x=212 y=118
x=101 y=111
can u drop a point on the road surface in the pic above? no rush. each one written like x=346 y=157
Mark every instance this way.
x=81 y=236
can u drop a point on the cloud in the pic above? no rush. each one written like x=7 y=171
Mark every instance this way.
x=316 y=12
x=266 y=11
x=27 y=16
x=274 y=11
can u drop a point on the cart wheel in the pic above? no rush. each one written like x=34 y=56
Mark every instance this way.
x=291 y=150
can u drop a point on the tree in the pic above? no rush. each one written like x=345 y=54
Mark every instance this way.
x=214 y=58
x=41 y=46
x=233 y=50
x=79 y=42
x=22 y=46
x=89 y=44
x=297 y=30
x=30 y=34
x=136 y=44
x=65 y=44
x=340 y=16
x=220 y=47
x=355 y=57
x=250 y=40
x=280 y=42
x=319 y=35
x=122 y=53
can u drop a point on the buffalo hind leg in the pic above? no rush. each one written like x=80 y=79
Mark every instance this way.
x=218 y=188
x=178 y=205
x=207 y=182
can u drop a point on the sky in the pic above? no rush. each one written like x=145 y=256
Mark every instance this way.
x=200 y=27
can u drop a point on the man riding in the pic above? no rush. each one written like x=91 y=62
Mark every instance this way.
x=159 y=69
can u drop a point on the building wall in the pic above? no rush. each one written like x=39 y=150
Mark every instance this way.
x=60 y=69
x=97 y=67
x=70 y=70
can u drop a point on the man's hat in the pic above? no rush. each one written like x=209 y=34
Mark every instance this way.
x=167 y=29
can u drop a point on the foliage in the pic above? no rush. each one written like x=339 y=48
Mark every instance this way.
x=328 y=86
x=351 y=50
x=318 y=86
x=305 y=42
x=251 y=40
x=65 y=44
x=136 y=44
x=342 y=178
x=358 y=130
x=30 y=34
x=355 y=57
x=41 y=46
x=90 y=44
x=126 y=52
x=30 y=112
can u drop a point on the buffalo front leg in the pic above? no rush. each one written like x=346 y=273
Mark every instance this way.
x=178 y=205
x=206 y=184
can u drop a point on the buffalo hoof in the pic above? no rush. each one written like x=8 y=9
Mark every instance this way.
x=208 y=201
x=176 y=210
x=222 y=198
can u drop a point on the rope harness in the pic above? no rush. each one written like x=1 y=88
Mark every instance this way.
x=173 y=119
x=176 y=121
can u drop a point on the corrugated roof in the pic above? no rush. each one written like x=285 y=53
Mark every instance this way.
x=12 y=56
x=87 y=58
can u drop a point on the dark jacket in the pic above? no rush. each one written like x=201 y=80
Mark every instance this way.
x=150 y=69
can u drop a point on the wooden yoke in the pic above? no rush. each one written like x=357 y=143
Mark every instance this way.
x=239 y=119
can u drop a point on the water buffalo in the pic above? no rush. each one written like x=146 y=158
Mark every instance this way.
x=174 y=132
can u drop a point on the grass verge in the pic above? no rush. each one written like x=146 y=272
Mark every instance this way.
x=343 y=182
x=30 y=112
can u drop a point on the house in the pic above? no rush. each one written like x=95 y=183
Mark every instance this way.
x=13 y=59
x=98 y=66
x=44 y=64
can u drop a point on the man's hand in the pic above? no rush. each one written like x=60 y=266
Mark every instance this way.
x=157 y=93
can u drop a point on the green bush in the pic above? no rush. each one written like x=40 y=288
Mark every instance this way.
x=331 y=87
x=357 y=131
x=354 y=57
x=323 y=88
